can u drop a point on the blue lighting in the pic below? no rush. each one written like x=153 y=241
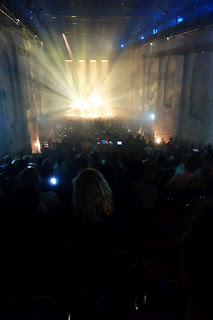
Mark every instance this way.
x=122 y=45
x=155 y=31
x=53 y=181
x=179 y=20
x=142 y=37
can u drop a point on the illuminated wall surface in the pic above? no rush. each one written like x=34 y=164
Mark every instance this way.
x=22 y=92
x=172 y=78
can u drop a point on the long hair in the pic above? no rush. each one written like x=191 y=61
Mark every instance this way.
x=92 y=195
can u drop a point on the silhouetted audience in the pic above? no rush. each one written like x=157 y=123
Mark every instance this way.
x=197 y=267
x=100 y=229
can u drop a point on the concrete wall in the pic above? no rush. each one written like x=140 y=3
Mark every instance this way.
x=174 y=79
x=21 y=90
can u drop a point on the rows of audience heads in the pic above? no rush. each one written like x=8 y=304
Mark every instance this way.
x=120 y=224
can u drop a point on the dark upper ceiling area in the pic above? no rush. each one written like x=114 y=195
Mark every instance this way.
x=120 y=21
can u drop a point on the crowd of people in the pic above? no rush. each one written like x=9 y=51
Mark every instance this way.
x=109 y=231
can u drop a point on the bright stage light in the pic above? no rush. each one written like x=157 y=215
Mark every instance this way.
x=179 y=19
x=152 y=116
x=108 y=114
x=88 y=107
x=94 y=100
x=158 y=140
x=83 y=105
x=80 y=103
x=71 y=115
x=90 y=116
x=53 y=181
x=36 y=147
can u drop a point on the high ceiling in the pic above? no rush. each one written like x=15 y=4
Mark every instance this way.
x=117 y=21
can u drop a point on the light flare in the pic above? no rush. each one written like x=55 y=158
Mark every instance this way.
x=92 y=107
x=158 y=140
x=68 y=47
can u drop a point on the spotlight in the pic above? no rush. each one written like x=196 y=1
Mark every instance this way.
x=94 y=100
x=80 y=103
x=53 y=181
x=70 y=115
x=155 y=31
x=142 y=37
x=151 y=43
x=179 y=19
x=158 y=140
x=152 y=116
x=17 y=21
x=122 y=45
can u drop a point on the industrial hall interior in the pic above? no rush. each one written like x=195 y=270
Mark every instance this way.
x=106 y=159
